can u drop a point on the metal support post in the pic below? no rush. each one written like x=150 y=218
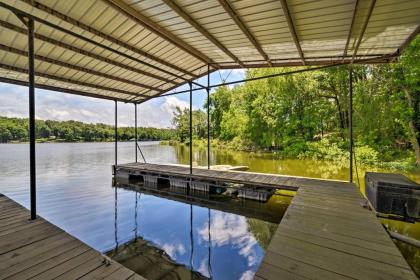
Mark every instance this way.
x=351 y=120
x=32 y=155
x=208 y=116
x=135 y=128
x=116 y=133
x=191 y=140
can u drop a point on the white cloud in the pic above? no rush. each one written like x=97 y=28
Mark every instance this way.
x=231 y=229
x=171 y=103
x=204 y=268
x=61 y=106
x=247 y=275
x=173 y=249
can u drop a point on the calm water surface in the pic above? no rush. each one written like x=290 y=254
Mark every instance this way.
x=75 y=193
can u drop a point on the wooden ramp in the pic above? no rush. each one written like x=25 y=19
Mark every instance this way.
x=39 y=250
x=324 y=234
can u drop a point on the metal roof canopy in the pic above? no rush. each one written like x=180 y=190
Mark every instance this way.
x=132 y=51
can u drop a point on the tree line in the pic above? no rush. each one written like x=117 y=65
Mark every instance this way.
x=307 y=114
x=16 y=129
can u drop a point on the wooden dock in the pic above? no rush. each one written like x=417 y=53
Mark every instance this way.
x=326 y=233
x=39 y=250
x=203 y=174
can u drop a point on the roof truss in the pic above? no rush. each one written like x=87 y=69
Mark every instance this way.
x=177 y=9
x=182 y=38
x=292 y=29
x=228 y=8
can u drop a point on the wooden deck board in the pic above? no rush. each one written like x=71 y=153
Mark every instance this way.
x=326 y=233
x=316 y=235
x=39 y=250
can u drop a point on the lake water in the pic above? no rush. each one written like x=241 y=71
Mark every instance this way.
x=74 y=190
x=170 y=238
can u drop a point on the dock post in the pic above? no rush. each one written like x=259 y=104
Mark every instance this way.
x=351 y=120
x=191 y=140
x=208 y=116
x=116 y=134
x=32 y=154
x=135 y=128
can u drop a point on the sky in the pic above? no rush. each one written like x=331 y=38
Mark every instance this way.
x=51 y=105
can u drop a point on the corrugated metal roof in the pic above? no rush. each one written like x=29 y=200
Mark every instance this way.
x=133 y=50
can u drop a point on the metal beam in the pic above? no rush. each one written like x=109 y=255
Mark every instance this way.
x=116 y=133
x=31 y=78
x=107 y=37
x=236 y=18
x=351 y=120
x=156 y=29
x=200 y=29
x=136 y=100
x=353 y=18
x=71 y=81
x=83 y=52
x=335 y=64
x=208 y=116
x=135 y=128
x=408 y=40
x=191 y=139
x=308 y=59
x=292 y=29
x=77 y=68
x=88 y=40
x=379 y=59
x=59 y=89
x=362 y=32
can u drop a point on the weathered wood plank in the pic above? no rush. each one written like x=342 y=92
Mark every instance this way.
x=26 y=253
x=50 y=263
x=39 y=262
x=295 y=269
x=39 y=250
x=13 y=241
x=84 y=268
x=120 y=274
x=339 y=262
x=101 y=272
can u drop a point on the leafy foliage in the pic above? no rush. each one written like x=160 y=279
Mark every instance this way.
x=307 y=114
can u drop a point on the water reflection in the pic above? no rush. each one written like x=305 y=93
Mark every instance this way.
x=179 y=240
x=74 y=190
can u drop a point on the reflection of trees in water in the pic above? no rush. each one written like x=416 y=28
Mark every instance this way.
x=262 y=231
x=411 y=254
x=151 y=262
x=264 y=162
x=326 y=170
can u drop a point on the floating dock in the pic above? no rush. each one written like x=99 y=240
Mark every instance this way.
x=39 y=250
x=216 y=177
x=326 y=233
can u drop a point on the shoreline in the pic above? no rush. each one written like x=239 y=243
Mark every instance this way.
x=403 y=165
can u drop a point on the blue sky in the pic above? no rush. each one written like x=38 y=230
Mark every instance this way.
x=62 y=106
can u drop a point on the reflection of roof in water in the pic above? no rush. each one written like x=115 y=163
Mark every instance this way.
x=150 y=261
